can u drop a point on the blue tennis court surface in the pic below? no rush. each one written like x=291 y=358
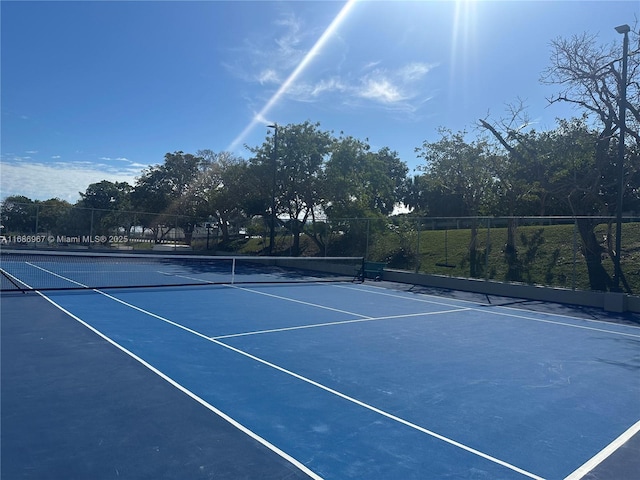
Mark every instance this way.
x=333 y=381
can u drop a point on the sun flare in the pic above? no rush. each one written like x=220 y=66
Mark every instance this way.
x=462 y=32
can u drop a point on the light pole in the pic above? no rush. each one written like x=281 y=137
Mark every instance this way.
x=623 y=30
x=273 y=188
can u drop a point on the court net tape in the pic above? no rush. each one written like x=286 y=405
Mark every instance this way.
x=24 y=270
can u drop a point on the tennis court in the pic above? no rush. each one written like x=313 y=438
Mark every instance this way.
x=312 y=374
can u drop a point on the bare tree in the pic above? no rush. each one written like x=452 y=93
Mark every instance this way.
x=589 y=78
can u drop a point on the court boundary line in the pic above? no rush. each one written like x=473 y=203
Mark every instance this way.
x=540 y=320
x=281 y=453
x=581 y=471
x=339 y=322
x=55 y=275
x=383 y=413
x=506 y=307
x=294 y=300
x=337 y=393
x=605 y=453
x=508 y=314
x=12 y=278
x=407 y=298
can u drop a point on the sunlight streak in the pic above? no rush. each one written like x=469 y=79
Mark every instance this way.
x=462 y=30
x=463 y=55
x=260 y=117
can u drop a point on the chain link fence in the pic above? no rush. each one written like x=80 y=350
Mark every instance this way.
x=552 y=251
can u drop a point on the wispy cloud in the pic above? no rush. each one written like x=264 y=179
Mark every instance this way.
x=289 y=41
x=41 y=181
x=117 y=159
x=334 y=84
x=268 y=60
x=367 y=84
x=268 y=76
x=371 y=65
x=313 y=92
x=401 y=89
x=415 y=71
x=381 y=90
x=293 y=76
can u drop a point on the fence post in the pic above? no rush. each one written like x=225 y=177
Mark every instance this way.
x=91 y=227
x=366 y=253
x=175 y=235
x=37 y=216
x=418 y=259
x=486 y=250
x=575 y=253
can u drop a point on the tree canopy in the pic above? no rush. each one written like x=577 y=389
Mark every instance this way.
x=305 y=177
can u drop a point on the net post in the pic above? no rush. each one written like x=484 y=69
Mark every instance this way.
x=233 y=270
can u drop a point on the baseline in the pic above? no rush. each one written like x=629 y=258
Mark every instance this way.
x=605 y=453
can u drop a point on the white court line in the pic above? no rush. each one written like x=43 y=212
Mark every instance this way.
x=341 y=322
x=55 y=275
x=169 y=274
x=188 y=392
x=574 y=476
x=12 y=277
x=605 y=452
x=332 y=391
x=324 y=307
x=524 y=317
x=200 y=400
x=505 y=307
x=563 y=324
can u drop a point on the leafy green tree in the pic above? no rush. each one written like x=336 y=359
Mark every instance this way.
x=362 y=189
x=106 y=195
x=161 y=188
x=588 y=75
x=465 y=171
x=220 y=190
x=53 y=215
x=295 y=169
x=587 y=179
x=362 y=183
x=462 y=168
x=18 y=215
x=523 y=184
x=302 y=150
x=21 y=215
x=426 y=196
x=105 y=207
x=569 y=172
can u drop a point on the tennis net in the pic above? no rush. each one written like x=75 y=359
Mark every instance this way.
x=23 y=270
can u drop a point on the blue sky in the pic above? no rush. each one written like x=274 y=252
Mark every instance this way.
x=94 y=90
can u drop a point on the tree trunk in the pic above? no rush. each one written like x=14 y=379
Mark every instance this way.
x=514 y=273
x=224 y=228
x=473 y=251
x=316 y=234
x=296 y=230
x=599 y=279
